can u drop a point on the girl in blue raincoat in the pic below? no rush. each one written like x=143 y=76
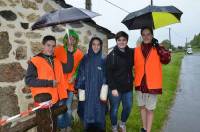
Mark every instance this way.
x=91 y=77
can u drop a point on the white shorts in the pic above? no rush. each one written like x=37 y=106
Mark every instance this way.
x=147 y=100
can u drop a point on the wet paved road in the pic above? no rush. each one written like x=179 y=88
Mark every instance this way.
x=185 y=113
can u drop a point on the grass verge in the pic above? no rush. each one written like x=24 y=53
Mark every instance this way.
x=170 y=82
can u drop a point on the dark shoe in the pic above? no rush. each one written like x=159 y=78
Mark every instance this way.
x=143 y=130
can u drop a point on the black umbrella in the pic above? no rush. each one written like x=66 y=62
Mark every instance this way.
x=63 y=16
x=153 y=16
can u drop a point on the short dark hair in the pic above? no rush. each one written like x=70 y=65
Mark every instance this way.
x=121 y=34
x=48 y=38
x=148 y=28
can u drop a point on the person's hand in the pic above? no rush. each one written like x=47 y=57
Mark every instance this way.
x=103 y=101
x=71 y=80
x=115 y=93
x=155 y=42
x=76 y=93
x=70 y=48
x=55 y=83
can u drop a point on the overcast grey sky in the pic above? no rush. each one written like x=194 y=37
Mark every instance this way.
x=111 y=18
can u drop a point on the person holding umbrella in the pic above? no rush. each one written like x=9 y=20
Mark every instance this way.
x=70 y=56
x=148 y=59
x=119 y=67
x=149 y=56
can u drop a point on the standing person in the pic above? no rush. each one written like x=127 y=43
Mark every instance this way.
x=148 y=59
x=120 y=80
x=45 y=77
x=70 y=56
x=91 y=77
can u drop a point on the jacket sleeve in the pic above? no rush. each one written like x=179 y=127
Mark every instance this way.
x=165 y=55
x=80 y=79
x=62 y=85
x=132 y=55
x=76 y=72
x=109 y=72
x=104 y=71
x=68 y=67
x=31 y=78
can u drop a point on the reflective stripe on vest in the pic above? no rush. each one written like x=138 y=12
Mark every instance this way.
x=152 y=67
x=46 y=72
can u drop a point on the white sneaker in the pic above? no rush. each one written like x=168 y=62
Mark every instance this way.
x=122 y=127
x=63 y=130
x=114 y=129
x=69 y=129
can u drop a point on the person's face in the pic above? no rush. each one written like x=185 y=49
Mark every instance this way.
x=71 y=40
x=147 y=36
x=49 y=47
x=122 y=42
x=96 y=46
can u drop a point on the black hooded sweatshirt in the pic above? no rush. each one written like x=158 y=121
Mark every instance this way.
x=119 y=69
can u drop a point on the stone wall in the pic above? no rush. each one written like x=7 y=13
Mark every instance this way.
x=18 y=44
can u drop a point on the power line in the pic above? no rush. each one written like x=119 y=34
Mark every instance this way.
x=117 y=6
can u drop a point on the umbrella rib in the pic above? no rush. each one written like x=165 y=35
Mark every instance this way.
x=61 y=16
x=151 y=15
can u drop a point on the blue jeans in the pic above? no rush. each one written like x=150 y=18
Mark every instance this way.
x=127 y=103
x=64 y=120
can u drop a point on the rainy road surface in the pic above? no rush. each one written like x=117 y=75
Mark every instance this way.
x=185 y=113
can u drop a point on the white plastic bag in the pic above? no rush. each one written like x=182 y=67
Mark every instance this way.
x=104 y=92
x=81 y=94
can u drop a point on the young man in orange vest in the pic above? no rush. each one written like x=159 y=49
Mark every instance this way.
x=46 y=79
x=148 y=59
x=70 y=56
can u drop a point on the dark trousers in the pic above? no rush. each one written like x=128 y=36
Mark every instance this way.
x=94 y=127
x=46 y=122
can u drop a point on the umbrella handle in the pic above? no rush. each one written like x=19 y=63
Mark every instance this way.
x=68 y=36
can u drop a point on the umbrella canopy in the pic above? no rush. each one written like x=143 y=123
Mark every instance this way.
x=62 y=16
x=153 y=16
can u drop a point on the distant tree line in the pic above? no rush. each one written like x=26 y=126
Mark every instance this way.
x=167 y=44
x=195 y=42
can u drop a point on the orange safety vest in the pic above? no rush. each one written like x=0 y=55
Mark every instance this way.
x=46 y=72
x=61 y=55
x=152 y=67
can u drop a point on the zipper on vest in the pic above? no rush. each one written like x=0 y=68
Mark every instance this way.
x=145 y=65
x=52 y=65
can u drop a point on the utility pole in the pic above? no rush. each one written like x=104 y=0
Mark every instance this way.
x=88 y=5
x=186 y=41
x=186 y=45
x=170 y=38
x=151 y=2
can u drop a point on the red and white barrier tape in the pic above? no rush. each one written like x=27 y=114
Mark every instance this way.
x=46 y=104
